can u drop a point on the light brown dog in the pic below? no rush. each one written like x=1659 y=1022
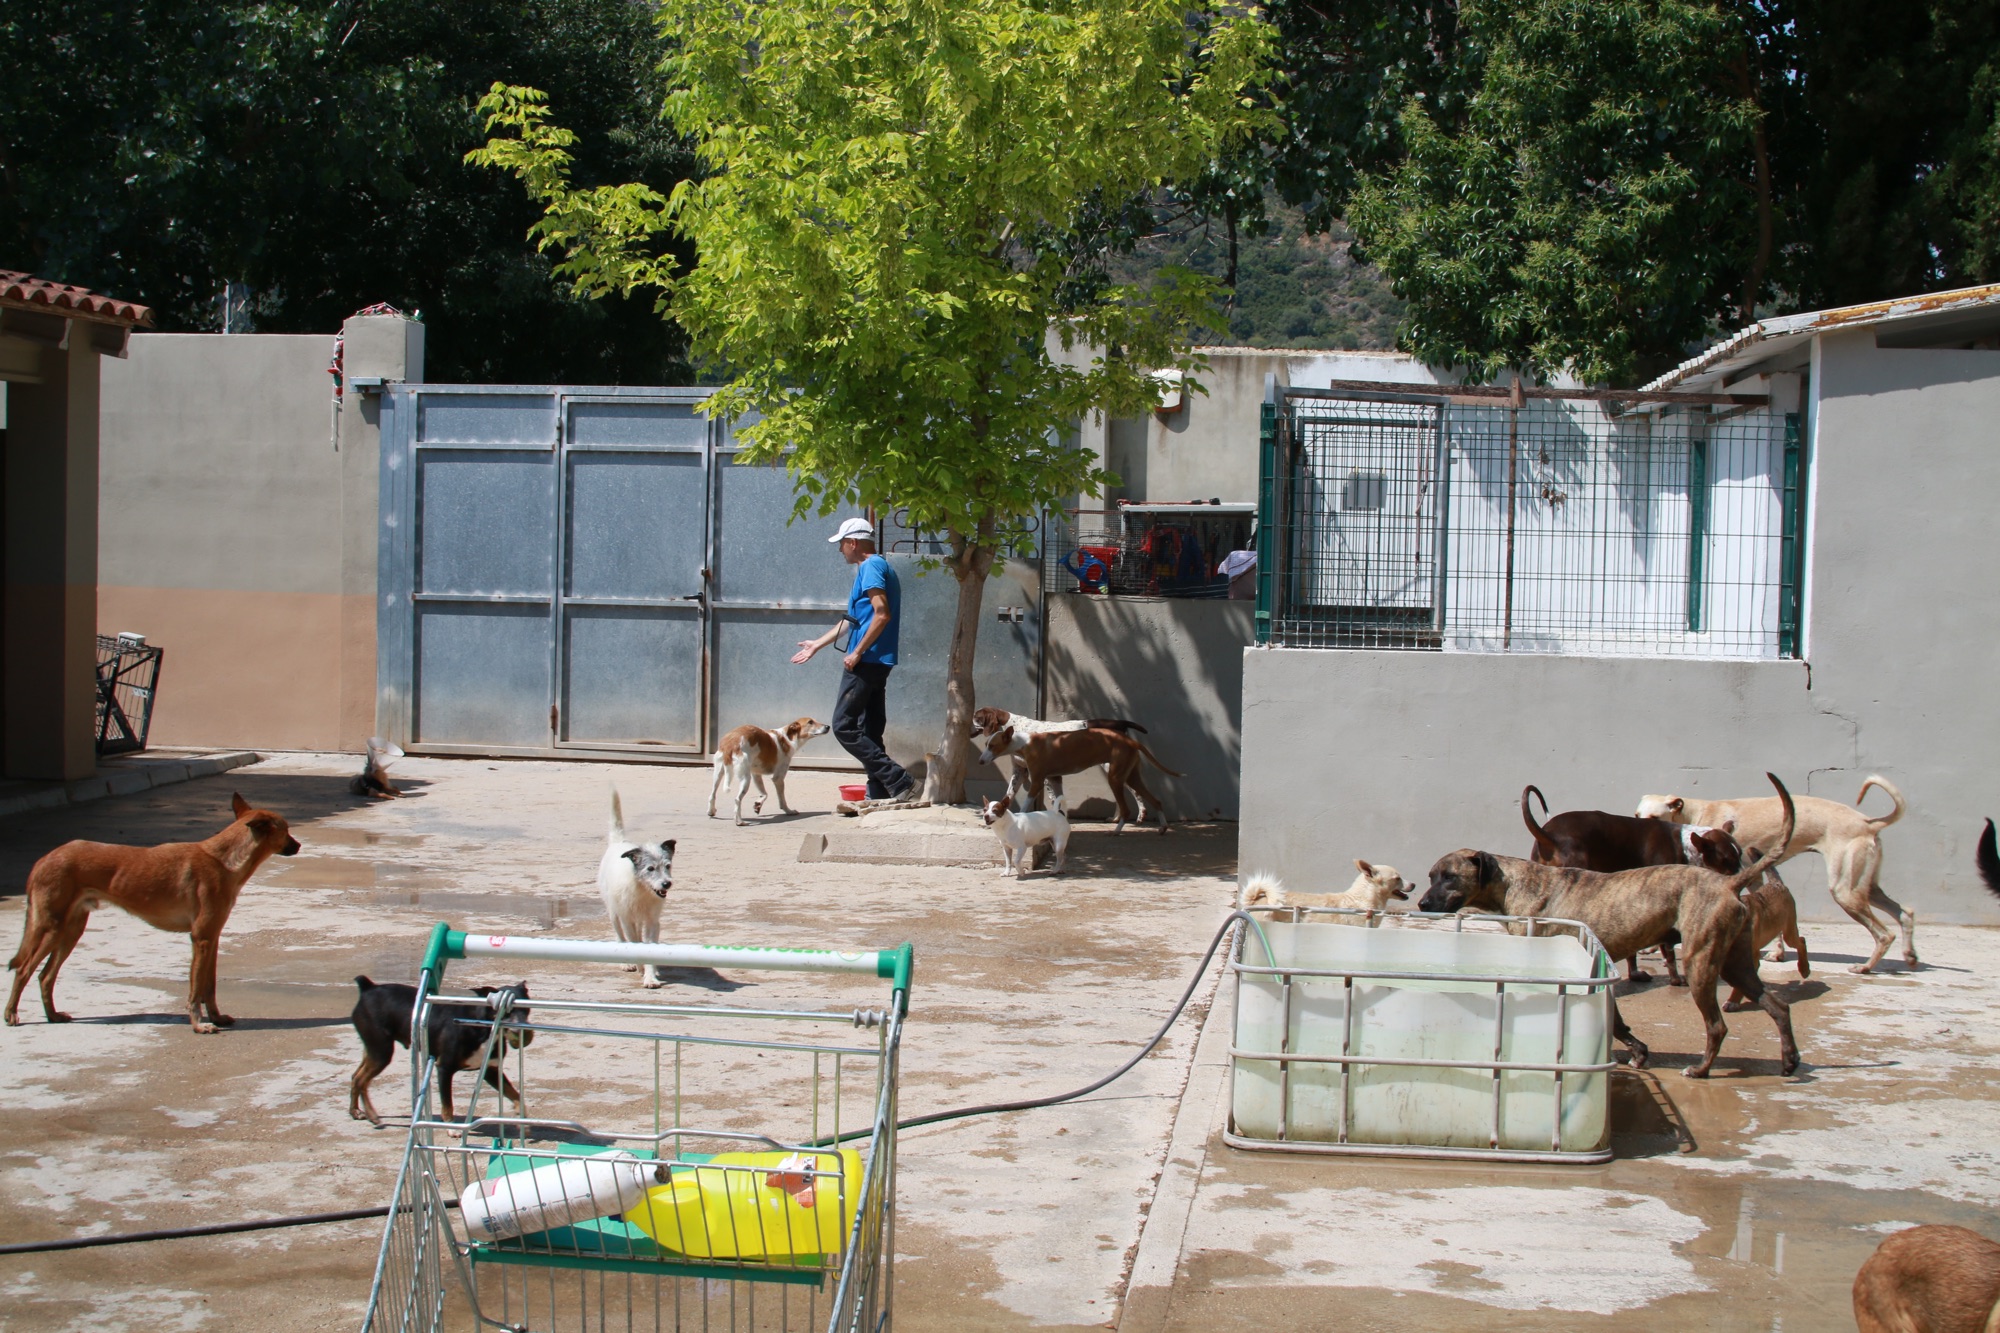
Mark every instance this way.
x=177 y=886
x=1370 y=892
x=1053 y=754
x=1850 y=841
x=1773 y=916
x=749 y=753
x=1633 y=910
x=1930 y=1280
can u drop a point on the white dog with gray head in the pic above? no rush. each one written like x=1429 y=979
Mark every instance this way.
x=633 y=879
x=1018 y=834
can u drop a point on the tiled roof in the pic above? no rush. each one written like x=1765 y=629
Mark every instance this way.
x=24 y=291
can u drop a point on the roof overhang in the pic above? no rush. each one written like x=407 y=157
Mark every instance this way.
x=1782 y=344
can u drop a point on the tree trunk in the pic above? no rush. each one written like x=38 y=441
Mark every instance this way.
x=945 y=781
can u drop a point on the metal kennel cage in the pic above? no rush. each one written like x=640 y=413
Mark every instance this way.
x=671 y=1166
x=128 y=675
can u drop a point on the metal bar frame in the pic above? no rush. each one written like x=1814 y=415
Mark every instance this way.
x=1599 y=983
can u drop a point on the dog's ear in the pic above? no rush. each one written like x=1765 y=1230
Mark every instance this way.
x=239 y=805
x=632 y=854
x=668 y=846
x=1676 y=805
x=1726 y=826
x=1363 y=866
x=1489 y=869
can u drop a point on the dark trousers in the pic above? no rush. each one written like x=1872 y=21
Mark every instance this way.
x=858 y=718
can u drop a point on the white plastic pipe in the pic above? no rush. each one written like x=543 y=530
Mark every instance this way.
x=671 y=955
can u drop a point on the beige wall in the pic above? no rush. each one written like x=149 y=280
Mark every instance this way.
x=238 y=530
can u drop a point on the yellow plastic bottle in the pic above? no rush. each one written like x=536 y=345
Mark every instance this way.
x=755 y=1205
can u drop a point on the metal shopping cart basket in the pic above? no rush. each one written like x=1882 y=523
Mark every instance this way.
x=669 y=1165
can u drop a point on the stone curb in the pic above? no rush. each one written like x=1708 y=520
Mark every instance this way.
x=122 y=777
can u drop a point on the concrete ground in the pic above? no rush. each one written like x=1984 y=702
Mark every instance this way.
x=1121 y=1210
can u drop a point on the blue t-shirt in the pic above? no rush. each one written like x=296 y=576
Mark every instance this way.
x=874 y=572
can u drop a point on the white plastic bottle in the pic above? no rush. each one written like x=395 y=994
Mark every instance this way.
x=562 y=1193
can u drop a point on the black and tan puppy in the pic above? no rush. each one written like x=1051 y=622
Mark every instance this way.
x=457 y=1033
x=1634 y=910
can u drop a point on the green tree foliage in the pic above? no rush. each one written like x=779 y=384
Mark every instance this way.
x=888 y=238
x=155 y=149
x=1588 y=212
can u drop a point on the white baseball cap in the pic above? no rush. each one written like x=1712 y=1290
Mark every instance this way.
x=854 y=527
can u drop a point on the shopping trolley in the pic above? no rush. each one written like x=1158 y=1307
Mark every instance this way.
x=668 y=1165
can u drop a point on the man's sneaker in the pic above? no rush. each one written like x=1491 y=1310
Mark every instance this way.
x=906 y=792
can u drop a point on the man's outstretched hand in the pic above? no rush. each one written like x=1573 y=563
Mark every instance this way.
x=807 y=647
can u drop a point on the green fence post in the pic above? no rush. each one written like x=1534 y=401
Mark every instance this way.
x=1791 y=549
x=1697 y=523
x=1267 y=472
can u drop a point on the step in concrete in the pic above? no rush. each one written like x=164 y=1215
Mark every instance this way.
x=121 y=776
x=937 y=835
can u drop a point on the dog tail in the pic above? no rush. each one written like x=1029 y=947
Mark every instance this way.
x=1988 y=860
x=364 y=985
x=1543 y=842
x=1154 y=758
x=1755 y=863
x=617 y=833
x=1265 y=889
x=1120 y=724
x=1880 y=822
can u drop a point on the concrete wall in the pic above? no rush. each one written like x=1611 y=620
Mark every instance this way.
x=239 y=534
x=1404 y=756
x=1174 y=666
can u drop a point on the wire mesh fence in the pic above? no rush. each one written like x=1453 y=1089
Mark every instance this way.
x=1552 y=525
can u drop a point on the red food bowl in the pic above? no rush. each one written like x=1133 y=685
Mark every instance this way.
x=854 y=793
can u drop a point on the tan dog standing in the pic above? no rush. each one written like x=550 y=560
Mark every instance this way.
x=1633 y=910
x=749 y=753
x=177 y=886
x=1055 y=754
x=1773 y=916
x=1850 y=841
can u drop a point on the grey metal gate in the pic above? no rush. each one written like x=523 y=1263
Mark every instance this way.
x=571 y=572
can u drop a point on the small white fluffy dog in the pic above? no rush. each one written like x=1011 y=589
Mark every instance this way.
x=1018 y=834
x=633 y=879
x=1371 y=891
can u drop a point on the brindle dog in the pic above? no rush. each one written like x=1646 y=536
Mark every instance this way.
x=1633 y=910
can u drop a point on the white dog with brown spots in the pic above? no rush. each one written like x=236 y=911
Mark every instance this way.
x=751 y=754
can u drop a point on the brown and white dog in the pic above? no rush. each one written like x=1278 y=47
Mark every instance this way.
x=1629 y=911
x=1052 y=754
x=1850 y=841
x=755 y=753
x=1933 y=1279
x=176 y=886
x=1370 y=892
x=1005 y=734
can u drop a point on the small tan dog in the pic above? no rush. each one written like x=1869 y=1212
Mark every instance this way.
x=1773 y=916
x=177 y=886
x=1371 y=891
x=1850 y=842
x=1931 y=1279
x=755 y=753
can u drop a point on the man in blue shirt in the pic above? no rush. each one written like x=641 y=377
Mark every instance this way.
x=862 y=709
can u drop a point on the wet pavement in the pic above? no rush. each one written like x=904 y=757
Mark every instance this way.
x=1746 y=1202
